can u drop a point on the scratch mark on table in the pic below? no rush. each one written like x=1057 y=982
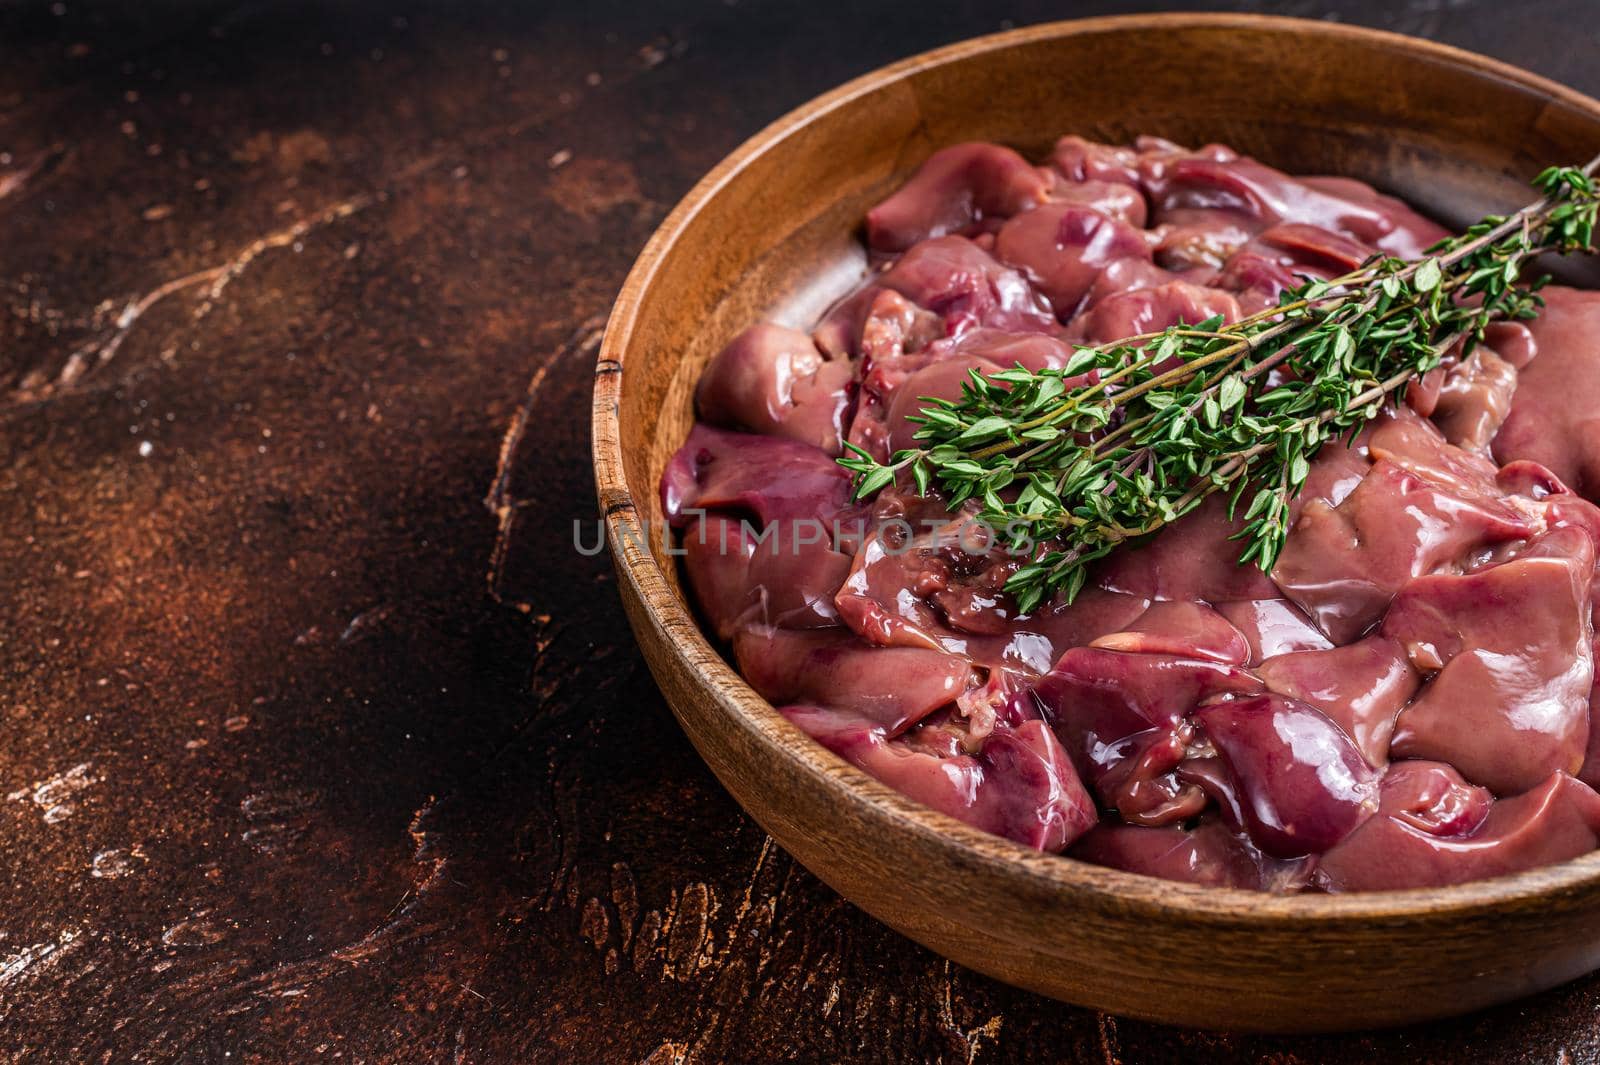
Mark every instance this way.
x=584 y=340
x=101 y=349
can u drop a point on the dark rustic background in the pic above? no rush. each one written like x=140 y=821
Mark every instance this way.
x=310 y=755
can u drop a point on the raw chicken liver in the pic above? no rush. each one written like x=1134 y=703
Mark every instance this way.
x=1405 y=701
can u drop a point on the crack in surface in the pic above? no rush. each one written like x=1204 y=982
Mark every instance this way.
x=501 y=500
x=41 y=166
x=390 y=933
x=36 y=387
x=100 y=350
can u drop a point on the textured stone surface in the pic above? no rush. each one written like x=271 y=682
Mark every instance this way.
x=309 y=754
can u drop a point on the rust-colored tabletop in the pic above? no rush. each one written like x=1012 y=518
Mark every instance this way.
x=321 y=741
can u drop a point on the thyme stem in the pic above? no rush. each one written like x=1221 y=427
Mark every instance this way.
x=1068 y=463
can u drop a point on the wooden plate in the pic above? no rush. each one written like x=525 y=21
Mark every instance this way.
x=773 y=232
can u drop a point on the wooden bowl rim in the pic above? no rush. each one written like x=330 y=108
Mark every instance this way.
x=961 y=845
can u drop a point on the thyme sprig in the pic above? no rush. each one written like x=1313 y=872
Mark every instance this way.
x=1067 y=464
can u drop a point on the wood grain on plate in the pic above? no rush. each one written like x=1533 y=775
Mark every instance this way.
x=782 y=211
